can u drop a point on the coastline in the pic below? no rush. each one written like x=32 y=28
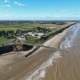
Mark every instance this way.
x=21 y=67
x=55 y=44
x=50 y=42
x=57 y=39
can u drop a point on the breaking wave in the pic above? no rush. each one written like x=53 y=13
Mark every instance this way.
x=40 y=72
x=68 y=42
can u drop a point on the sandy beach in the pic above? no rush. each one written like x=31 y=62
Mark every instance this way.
x=17 y=67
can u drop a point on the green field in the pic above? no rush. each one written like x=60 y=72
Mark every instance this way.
x=7 y=29
x=13 y=28
x=4 y=40
x=31 y=25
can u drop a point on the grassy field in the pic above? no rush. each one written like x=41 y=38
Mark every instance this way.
x=4 y=40
x=13 y=28
x=30 y=26
x=7 y=28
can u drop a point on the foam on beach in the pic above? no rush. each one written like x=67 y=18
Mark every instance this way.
x=41 y=71
x=68 y=42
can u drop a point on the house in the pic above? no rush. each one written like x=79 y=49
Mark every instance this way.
x=31 y=34
x=40 y=34
x=21 y=37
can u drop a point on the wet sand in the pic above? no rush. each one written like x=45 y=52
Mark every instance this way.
x=68 y=66
x=44 y=64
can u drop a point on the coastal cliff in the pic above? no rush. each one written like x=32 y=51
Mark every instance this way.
x=15 y=48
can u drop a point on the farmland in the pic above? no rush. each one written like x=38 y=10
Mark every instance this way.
x=23 y=25
x=31 y=29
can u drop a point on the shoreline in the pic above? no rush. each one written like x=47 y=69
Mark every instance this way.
x=22 y=66
x=20 y=47
x=52 y=38
x=55 y=44
x=57 y=39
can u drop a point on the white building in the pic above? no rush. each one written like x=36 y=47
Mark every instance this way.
x=21 y=38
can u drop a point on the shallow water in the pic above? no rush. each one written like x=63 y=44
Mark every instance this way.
x=62 y=65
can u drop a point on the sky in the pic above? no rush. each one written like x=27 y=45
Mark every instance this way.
x=39 y=9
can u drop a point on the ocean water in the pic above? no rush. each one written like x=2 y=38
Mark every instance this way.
x=62 y=65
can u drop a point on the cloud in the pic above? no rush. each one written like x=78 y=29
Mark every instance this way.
x=19 y=4
x=6 y=1
x=6 y=5
x=63 y=11
x=10 y=16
